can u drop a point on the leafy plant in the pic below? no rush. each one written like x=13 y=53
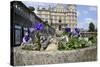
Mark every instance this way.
x=73 y=43
x=93 y=39
x=82 y=43
x=27 y=47
x=61 y=46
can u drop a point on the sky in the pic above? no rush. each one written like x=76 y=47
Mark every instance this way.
x=85 y=13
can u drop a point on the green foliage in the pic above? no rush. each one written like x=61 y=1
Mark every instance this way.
x=27 y=47
x=93 y=39
x=73 y=43
x=46 y=27
x=31 y=47
x=64 y=33
x=61 y=46
x=38 y=41
x=82 y=43
x=91 y=27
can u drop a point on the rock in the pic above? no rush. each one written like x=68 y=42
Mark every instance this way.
x=44 y=42
x=53 y=45
x=64 y=39
x=58 y=33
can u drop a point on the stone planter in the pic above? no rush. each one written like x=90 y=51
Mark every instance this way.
x=24 y=57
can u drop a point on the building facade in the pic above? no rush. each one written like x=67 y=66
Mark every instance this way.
x=59 y=17
x=22 y=19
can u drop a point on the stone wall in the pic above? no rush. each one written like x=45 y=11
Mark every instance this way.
x=24 y=57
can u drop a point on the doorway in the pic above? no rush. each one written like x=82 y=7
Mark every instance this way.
x=59 y=24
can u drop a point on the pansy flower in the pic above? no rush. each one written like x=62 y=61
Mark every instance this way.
x=38 y=26
x=77 y=30
x=67 y=30
x=26 y=38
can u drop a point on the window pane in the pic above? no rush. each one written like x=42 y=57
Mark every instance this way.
x=17 y=36
x=25 y=30
x=17 y=27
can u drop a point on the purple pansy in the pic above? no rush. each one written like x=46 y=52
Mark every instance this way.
x=38 y=26
x=77 y=30
x=67 y=29
x=31 y=29
x=26 y=38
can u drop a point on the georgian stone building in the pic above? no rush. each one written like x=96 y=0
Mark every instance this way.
x=59 y=17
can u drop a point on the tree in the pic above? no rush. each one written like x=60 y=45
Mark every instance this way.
x=91 y=27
